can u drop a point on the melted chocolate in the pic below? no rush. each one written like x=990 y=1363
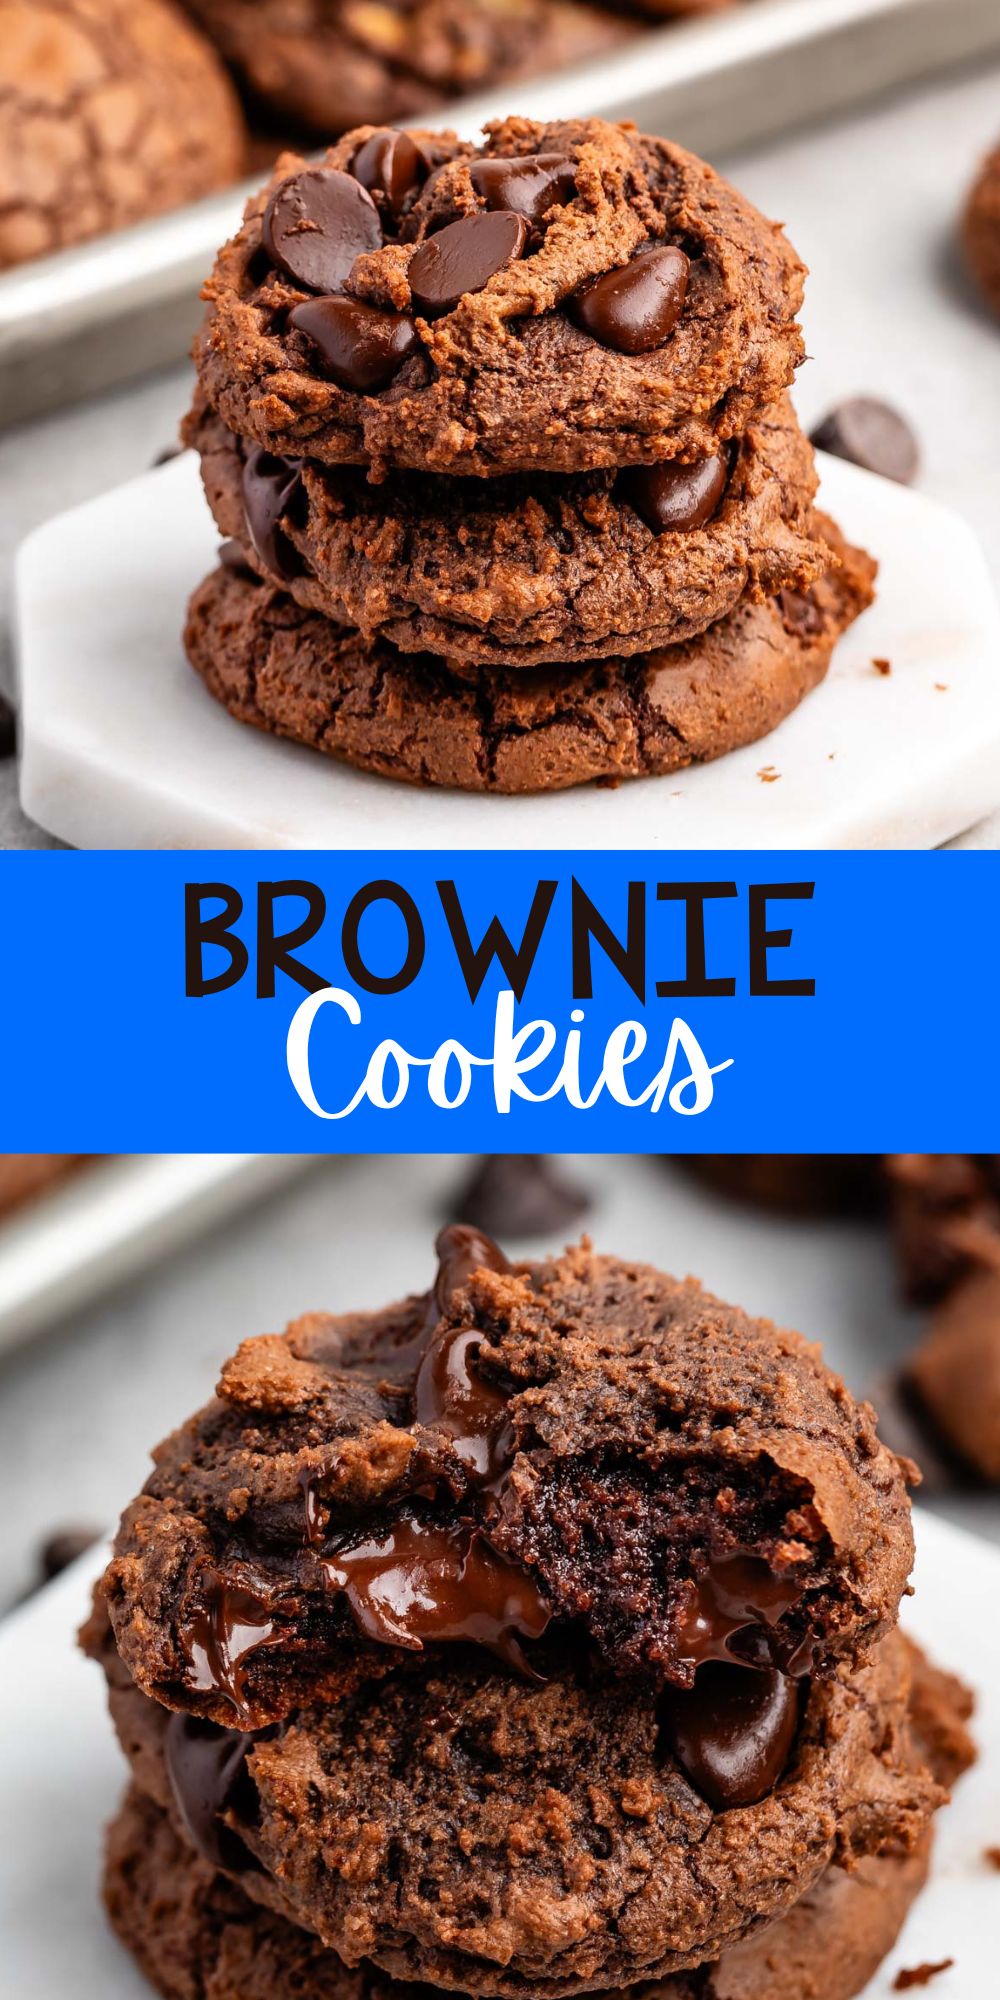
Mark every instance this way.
x=231 y=1623
x=450 y=1396
x=738 y=1593
x=733 y=1732
x=206 y=1766
x=420 y=1582
x=460 y=1251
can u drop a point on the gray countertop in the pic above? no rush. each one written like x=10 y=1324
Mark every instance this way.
x=869 y=201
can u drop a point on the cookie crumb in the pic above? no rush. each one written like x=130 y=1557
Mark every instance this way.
x=769 y=776
x=882 y=666
x=992 y=1856
x=920 y=1975
x=941 y=687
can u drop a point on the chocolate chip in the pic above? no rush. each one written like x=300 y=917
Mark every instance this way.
x=528 y=186
x=733 y=1732
x=873 y=435
x=362 y=348
x=270 y=486
x=672 y=498
x=317 y=223
x=64 y=1547
x=634 y=309
x=463 y=257
x=207 y=1770
x=8 y=728
x=231 y=557
x=389 y=165
x=420 y=1582
x=519 y=1194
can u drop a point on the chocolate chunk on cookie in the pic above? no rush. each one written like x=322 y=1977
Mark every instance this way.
x=418 y=719
x=329 y=64
x=575 y=1445
x=108 y=114
x=584 y=297
x=524 y=571
x=626 y=1869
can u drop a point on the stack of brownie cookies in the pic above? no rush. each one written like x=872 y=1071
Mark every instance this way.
x=500 y=442
x=534 y=1635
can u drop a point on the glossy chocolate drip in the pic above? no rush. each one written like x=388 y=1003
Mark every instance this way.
x=738 y=1593
x=419 y=1583
x=206 y=1766
x=230 y=1623
x=450 y=1396
x=733 y=1732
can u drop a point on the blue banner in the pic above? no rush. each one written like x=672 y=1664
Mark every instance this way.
x=413 y=1002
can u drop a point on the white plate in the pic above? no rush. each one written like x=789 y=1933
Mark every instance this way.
x=105 y=311
x=111 y=1219
x=122 y=747
x=61 y=1775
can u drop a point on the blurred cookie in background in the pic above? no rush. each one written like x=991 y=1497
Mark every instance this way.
x=110 y=111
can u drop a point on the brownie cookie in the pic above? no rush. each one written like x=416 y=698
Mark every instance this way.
x=946 y=1217
x=330 y=64
x=477 y=1831
x=196 y=1936
x=562 y=298
x=110 y=111
x=955 y=1370
x=981 y=229
x=519 y=572
x=626 y=1461
x=413 y=717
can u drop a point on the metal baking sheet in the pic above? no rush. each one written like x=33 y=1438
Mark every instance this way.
x=110 y=310
x=111 y=1219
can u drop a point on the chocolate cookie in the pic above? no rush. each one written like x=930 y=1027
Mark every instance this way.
x=412 y=717
x=196 y=1936
x=522 y=571
x=946 y=1216
x=563 y=298
x=471 y=1829
x=110 y=111
x=329 y=64
x=795 y=1183
x=955 y=1370
x=981 y=229
x=624 y=1461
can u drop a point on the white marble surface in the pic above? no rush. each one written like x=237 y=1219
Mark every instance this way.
x=81 y=1407
x=870 y=201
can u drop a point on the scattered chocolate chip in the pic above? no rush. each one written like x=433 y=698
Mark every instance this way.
x=362 y=348
x=270 y=485
x=528 y=186
x=635 y=308
x=463 y=257
x=733 y=1732
x=8 y=728
x=883 y=667
x=672 y=498
x=519 y=1194
x=390 y=165
x=991 y=1855
x=317 y=223
x=920 y=1975
x=64 y=1547
x=167 y=455
x=873 y=435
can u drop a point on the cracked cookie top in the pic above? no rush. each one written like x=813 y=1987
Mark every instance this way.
x=563 y=297
x=578 y=1451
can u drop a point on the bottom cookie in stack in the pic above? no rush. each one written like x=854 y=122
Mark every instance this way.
x=413 y=717
x=197 y=1936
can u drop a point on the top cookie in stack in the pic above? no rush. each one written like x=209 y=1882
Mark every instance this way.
x=514 y=418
